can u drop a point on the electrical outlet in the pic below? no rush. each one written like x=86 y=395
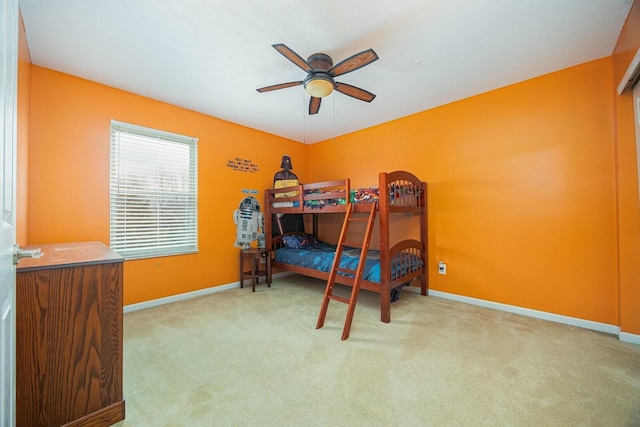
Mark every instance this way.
x=442 y=268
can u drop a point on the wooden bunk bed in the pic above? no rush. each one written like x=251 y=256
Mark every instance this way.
x=400 y=192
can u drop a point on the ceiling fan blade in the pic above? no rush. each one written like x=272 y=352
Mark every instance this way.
x=292 y=56
x=314 y=105
x=354 y=62
x=355 y=92
x=279 y=86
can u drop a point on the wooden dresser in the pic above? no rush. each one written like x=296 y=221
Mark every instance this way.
x=69 y=336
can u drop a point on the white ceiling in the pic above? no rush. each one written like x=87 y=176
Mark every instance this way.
x=211 y=55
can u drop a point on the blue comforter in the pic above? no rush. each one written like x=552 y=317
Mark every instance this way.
x=320 y=257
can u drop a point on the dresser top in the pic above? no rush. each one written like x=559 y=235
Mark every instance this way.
x=56 y=255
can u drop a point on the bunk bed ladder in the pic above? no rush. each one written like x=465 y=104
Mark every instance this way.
x=357 y=273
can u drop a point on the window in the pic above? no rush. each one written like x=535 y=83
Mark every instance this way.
x=154 y=192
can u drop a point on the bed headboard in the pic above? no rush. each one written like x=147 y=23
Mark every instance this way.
x=406 y=192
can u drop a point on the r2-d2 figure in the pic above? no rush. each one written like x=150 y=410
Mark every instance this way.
x=249 y=223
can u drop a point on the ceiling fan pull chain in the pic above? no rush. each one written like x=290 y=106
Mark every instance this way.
x=334 y=119
x=304 y=119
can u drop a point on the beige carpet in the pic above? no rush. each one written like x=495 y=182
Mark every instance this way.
x=237 y=358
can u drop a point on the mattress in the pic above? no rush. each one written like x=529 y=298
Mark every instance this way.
x=320 y=257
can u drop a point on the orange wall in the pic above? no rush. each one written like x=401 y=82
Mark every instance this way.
x=521 y=189
x=69 y=177
x=627 y=179
x=22 y=169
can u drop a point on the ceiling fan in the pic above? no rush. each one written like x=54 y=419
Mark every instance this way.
x=321 y=72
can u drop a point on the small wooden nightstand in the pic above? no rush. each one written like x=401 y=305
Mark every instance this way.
x=254 y=256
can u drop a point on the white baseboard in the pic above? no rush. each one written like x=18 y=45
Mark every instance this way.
x=180 y=297
x=630 y=338
x=558 y=318
x=188 y=295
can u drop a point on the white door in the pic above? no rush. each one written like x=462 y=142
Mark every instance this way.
x=8 y=102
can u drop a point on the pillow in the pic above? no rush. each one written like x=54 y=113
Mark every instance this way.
x=284 y=183
x=300 y=241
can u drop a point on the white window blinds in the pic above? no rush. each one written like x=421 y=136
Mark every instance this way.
x=154 y=192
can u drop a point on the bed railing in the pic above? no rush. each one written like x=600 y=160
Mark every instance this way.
x=330 y=196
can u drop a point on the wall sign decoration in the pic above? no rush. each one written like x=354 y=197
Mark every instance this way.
x=242 y=165
x=249 y=191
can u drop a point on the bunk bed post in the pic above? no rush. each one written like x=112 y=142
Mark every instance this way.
x=267 y=220
x=424 y=234
x=385 y=274
x=315 y=224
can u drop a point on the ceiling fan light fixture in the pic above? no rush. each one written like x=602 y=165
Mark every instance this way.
x=321 y=74
x=319 y=86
